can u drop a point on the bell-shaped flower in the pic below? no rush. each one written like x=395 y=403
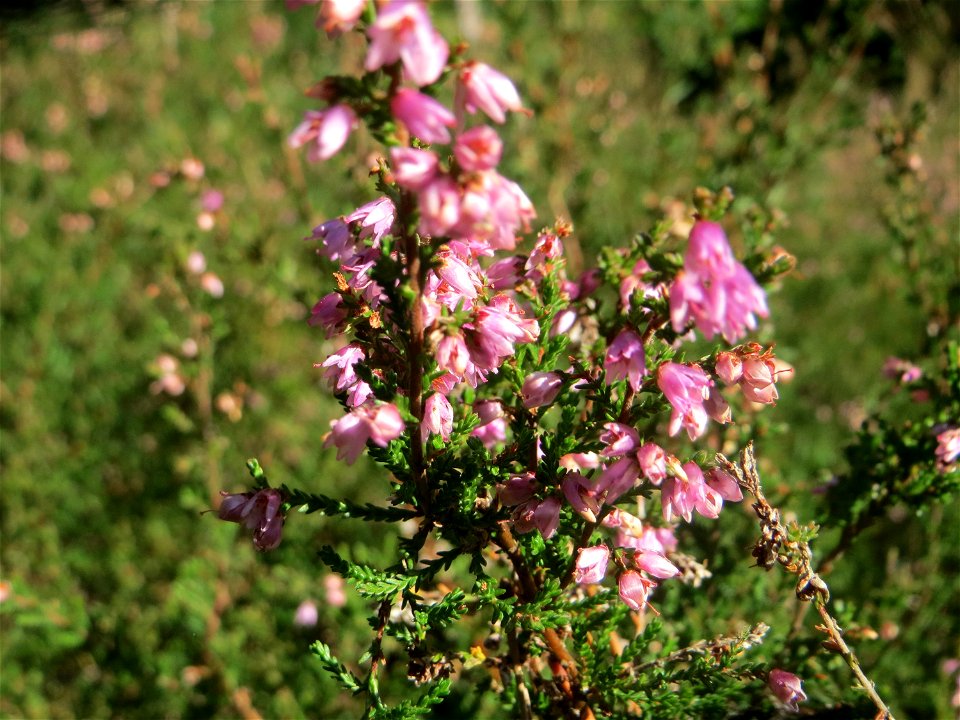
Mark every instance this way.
x=541 y=388
x=339 y=367
x=379 y=424
x=518 y=489
x=787 y=687
x=729 y=367
x=478 y=149
x=625 y=359
x=634 y=589
x=437 y=417
x=655 y=564
x=413 y=169
x=617 y=478
x=423 y=116
x=653 y=462
x=591 y=564
x=542 y=515
x=758 y=378
x=258 y=511
x=403 y=31
x=327 y=129
x=686 y=387
x=581 y=495
x=724 y=484
x=483 y=88
x=330 y=314
x=619 y=439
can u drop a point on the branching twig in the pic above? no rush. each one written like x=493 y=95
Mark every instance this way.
x=797 y=560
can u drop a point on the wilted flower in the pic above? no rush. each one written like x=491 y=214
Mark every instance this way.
x=258 y=511
x=787 y=687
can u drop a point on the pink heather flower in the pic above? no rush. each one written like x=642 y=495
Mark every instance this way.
x=379 y=424
x=717 y=407
x=329 y=129
x=787 y=687
x=483 y=88
x=729 y=367
x=339 y=367
x=490 y=337
x=424 y=117
x=211 y=201
x=336 y=240
x=575 y=462
x=724 y=484
x=542 y=515
x=616 y=479
x=212 y=284
x=548 y=247
x=505 y=274
x=581 y=496
x=714 y=290
x=359 y=393
x=413 y=169
x=492 y=433
x=196 y=262
x=619 y=439
x=493 y=209
x=375 y=219
x=757 y=381
x=591 y=564
x=402 y=31
x=437 y=418
x=634 y=589
x=686 y=387
x=948 y=448
x=258 y=511
x=478 y=149
x=625 y=359
x=518 y=489
x=452 y=354
x=439 y=203
x=686 y=491
x=445 y=383
x=653 y=462
x=655 y=564
x=541 y=388
x=454 y=269
x=306 y=614
x=901 y=370
x=339 y=16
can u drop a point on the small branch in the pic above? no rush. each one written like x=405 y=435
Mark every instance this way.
x=798 y=560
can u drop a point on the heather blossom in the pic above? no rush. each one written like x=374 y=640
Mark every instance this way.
x=948 y=448
x=483 y=88
x=259 y=511
x=379 y=424
x=328 y=130
x=541 y=388
x=625 y=359
x=634 y=589
x=686 y=387
x=423 y=116
x=787 y=687
x=437 y=417
x=591 y=564
x=403 y=31
x=713 y=289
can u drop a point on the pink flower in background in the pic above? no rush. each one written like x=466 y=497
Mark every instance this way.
x=338 y=16
x=424 y=117
x=483 y=88
x=403 y=31
x=212 y=284
x=591 y=564
x=196 y=262
x=625 y=359
x=437 y=417
x=333 y=586
x=258 y=511
x=713 y=289
x=493 y=427
x=306 y=614
x=478 y=149
x=787 y=687
x=541 y=388
x=686 y=387
x=948 y=448
x=413 y=169
x=634 y=589
x=211 y=201
x=328 y=130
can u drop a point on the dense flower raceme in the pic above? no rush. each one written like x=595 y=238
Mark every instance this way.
x=475 y=308
x=714 y=290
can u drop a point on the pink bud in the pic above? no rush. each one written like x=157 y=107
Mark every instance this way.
x=541 y=388
x=634 y=589
x=591 y=564
x=787 y=687
x=333 y=587
x=655 y=564
x=478 y=149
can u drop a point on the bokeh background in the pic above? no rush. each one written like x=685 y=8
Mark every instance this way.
x=155 y=287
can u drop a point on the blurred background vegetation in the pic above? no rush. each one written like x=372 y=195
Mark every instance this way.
x=133 y=390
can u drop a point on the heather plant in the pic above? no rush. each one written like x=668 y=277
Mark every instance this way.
x=551 y=442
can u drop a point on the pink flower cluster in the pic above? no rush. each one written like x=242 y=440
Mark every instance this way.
x=714 y=290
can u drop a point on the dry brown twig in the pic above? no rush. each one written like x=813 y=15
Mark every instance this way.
x=775 y=546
